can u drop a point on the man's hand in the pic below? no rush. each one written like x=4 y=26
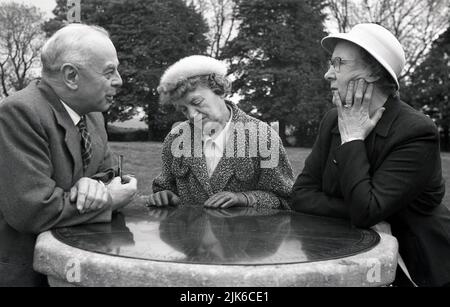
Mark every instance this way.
x=163 y=198
x=354 y=119
x=121 y=194
x=226 y=199
x=89 y=195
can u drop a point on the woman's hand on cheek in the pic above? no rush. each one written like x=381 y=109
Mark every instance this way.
x=354 y=118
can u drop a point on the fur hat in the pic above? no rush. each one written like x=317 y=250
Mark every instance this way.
x=188 y=67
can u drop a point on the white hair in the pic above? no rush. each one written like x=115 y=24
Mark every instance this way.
x=65 y=46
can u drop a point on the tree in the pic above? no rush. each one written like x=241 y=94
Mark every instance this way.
x=279 y=64
x=21 y=38
x=149 y=35
x=430 y=84
x=416 y=23
x=222 y=23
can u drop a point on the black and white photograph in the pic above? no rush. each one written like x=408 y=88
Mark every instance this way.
x=225 y=150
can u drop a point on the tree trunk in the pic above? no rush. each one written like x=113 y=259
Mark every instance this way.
x=149 y=111
x=445 y=143
x=150 y=134
x=282 y=132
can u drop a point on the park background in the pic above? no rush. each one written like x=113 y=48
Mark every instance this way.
x=272 y=48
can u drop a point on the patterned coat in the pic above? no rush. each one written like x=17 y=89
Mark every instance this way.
x=245 y=167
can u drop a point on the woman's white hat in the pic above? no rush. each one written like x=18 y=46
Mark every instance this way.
x=191 y=66
x=377 y=41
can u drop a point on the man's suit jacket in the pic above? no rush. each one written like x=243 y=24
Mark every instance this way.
x=188 y=177
x=40 y=161
x=394 y=175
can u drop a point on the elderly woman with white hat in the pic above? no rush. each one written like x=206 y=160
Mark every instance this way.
x=220 y=157
x=376 y=158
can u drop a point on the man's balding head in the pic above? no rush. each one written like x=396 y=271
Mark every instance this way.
x=69 y=45
x=80 y=64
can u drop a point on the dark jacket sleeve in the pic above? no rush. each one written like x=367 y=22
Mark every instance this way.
x=307 y=195
x=31 y=200
x=395 y=183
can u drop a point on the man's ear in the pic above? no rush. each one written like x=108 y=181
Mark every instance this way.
x=70 y=75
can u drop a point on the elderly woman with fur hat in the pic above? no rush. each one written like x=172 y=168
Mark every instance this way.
x=220 y=157
x=376 y=158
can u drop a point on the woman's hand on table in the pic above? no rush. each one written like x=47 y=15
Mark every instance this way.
x=159 y=213
x=226 y=199
x=163 y=198
x=229 y=213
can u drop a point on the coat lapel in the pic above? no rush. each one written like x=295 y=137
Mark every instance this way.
x=198 y=168
x=72 y=138
x=198 y=164
x=392 y=107
x=229 y=165
x=330 y=169
x=222 y=173
x=378 y=138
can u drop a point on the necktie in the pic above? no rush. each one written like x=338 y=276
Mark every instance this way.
x=86 y=144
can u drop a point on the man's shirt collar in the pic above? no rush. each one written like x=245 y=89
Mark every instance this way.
x=73 y=115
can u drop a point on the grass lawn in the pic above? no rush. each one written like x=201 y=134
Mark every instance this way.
x=144 y=161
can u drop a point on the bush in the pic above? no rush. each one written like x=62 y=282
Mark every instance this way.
x=118 y=134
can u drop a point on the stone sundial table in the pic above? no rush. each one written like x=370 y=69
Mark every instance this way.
x=193 y=246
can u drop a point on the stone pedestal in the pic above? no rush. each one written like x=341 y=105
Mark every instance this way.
x=157 y=255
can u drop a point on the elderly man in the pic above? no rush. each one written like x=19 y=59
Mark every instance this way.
x=55 y=161
x=376 y=158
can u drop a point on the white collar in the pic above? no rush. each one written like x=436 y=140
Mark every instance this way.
x=73 y=115
x=221 y=139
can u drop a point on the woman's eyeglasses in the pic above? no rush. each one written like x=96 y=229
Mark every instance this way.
x=337 y=61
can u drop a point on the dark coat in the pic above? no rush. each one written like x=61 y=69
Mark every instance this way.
x=394 y=175
x=40 y=161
